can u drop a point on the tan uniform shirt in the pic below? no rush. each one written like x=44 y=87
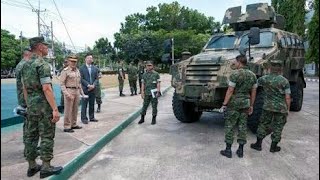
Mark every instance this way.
x=70 y=81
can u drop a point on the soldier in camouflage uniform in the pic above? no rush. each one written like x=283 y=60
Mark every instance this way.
x=239 y=99
x=42 y=112
x=132 y=76
x=141 y=69
x=150 y=80
x=98 y=91
x=275 y=108
x=20 y=97
x=121 y=76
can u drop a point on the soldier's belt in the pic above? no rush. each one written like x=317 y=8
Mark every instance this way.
x=73 y=87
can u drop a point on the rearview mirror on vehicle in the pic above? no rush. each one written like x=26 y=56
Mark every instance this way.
x=254 y=36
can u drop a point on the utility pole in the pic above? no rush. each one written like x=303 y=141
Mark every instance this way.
x=21 y=44
x=52 y=48
x=38 y=13
x=172 y=51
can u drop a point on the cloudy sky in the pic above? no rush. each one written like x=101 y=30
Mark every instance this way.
x=89 y=20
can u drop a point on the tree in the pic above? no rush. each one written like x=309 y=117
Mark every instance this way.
x=10 y=50
x=142 y=36
x=313 y=38
x=294 y=13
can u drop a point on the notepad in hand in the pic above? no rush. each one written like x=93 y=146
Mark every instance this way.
x=154 y=93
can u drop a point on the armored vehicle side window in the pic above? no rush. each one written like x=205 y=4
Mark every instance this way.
x=266 y=39
x=289 y=41
x=301 y=44
x=283 y=42
x=294 y=42
x=222 y=42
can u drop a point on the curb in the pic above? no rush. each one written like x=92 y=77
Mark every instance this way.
x=81 y=159
x=11 y=121
x=311 y=80
x=18 y=119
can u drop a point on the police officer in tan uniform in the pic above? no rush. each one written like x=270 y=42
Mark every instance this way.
x=71 y=87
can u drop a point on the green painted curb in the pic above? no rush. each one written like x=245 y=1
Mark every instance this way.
x=18 y=119
x=81 y=159
x=11 y=121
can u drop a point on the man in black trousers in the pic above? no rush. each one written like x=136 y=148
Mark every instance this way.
x=89 y=81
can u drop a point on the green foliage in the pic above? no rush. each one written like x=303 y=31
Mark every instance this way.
x=149 y=45
x=313 y=36
x=142 y=36
x=294 y=13
x=10 y=50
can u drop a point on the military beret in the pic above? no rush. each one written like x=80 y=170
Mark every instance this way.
x=149 y=62
x=73 y=58
x=35 y=40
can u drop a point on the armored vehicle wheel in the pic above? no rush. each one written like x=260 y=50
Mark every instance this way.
x=296 y=95
x=184 y=111
x=254 y=118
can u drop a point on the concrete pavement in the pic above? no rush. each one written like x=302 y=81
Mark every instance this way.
x=190 y=151
x=70 y=145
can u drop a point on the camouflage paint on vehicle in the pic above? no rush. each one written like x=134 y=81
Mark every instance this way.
x=202 y=79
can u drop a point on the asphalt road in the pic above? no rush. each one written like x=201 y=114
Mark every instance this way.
x=174 y=150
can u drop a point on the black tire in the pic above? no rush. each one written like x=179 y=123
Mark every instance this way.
x=296 y=95
x=254 y=118
x=184 y=111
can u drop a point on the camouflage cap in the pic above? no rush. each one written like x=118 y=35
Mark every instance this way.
x=35 y=40
x=149 y=62
x=73 y=58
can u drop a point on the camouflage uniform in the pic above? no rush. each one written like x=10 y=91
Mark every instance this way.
x=98 y=90
x=21 y=100
x=35 y=73
x=243 y=80
x=132 y=76
x=274 y=114
x=120 y=71
x=141 y=72
x=150 y=80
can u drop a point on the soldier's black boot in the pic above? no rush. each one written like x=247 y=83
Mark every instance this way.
x=142 y=119
x=240 y=151
x=274 y=147
x=121 y=94
x=48 y=170
x=257 y=145
x=153 y=120
x=227 y=152
x=99 y=108
x=33 y=168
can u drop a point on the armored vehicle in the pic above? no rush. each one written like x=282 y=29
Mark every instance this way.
x=201 y=81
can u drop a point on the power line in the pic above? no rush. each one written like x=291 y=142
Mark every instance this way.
x=64 y=24
x=15 y=5
x=24 y=5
